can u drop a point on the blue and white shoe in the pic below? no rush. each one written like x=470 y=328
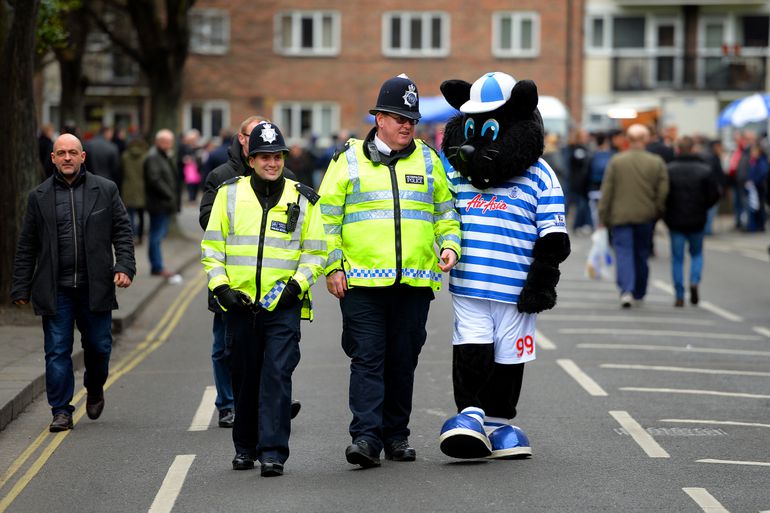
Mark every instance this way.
x=463 y=435
x=508 y=442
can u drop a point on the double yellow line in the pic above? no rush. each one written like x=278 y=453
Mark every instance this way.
x=155 y=338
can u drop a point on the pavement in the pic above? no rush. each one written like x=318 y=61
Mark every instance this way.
x=22 y=361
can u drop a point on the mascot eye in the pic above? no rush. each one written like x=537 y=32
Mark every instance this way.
x=470 y=128
x=492 y=125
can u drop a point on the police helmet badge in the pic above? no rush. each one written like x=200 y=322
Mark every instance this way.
x=410 y=96
x=268 y=134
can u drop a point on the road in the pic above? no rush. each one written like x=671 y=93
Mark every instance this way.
x=652 y=409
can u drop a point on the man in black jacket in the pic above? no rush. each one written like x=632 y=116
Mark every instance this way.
x=693 y=189
x=160 y=187
x=64 y=265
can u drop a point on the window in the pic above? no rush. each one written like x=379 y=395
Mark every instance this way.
x=754 y=31
x=516 y=34
x=628 y=32
x=208 y=117
x=596 y=33
x=307 y=33
x=209 y=31
x=415 y=34
x=299 y=121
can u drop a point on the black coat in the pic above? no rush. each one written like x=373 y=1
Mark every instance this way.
x=160 y=183
x=693 y=189
x=36 y=265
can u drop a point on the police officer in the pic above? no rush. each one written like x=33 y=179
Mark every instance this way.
x=263 y=248
x=385 y=201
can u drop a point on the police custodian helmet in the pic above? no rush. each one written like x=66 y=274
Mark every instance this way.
x=266 y=138
x=399 y=96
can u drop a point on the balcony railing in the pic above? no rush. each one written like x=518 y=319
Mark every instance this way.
x=732 y=73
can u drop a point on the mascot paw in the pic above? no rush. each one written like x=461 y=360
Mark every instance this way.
x=463 y=436
x=509 y=442
x=533 y=300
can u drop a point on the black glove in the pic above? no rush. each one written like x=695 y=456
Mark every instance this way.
x=290 y=295
x=232 y=300
x=539 y=291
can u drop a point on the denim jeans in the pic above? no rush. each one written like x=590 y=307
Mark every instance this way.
x=222 y=380
x=158 y=230
x=58 y=334
x=633 y=245
x=695 y=242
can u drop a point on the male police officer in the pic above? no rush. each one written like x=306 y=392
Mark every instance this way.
x=385 y=200
x=263 y=248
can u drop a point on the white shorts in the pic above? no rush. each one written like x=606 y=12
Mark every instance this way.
x=481 y=321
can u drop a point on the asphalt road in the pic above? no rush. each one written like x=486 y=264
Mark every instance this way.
x=651 y=409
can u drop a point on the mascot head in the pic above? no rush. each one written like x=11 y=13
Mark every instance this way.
x=499 y=133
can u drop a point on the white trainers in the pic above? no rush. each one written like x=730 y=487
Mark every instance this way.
x=626 y=298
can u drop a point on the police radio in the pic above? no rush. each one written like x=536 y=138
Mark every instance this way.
x=292 y=212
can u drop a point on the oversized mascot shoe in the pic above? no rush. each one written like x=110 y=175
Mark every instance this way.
x=463 y=435
x=508 y=442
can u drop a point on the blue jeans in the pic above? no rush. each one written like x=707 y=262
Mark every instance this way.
x=695 y=242
x=158 y=230
x=58 y=334
x=633 y=245
x=222 y=380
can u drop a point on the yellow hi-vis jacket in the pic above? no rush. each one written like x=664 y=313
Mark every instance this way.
x=381 y=221
x=252 y=251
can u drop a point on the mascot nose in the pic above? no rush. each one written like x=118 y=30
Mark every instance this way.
x=466 y=152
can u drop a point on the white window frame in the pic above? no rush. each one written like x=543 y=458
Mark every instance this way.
x=295 y=48
x=206 y=15
x=516 y=17
x=426 y=50
x=291 y=132
x=604 y=47
x=207 y=106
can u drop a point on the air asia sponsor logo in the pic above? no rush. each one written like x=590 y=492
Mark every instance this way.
x=415 y=179
x=485 y=205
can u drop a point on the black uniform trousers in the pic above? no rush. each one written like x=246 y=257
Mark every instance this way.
x=263 y=353
x=383 y=331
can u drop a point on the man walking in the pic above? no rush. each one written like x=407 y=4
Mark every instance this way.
x=64 y=265
x=633 y=197
x=160 y=186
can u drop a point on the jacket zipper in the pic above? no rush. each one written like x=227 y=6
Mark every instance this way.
x=74 y=235
x=396 y=219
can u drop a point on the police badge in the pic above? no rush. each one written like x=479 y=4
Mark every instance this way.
x=410 y=96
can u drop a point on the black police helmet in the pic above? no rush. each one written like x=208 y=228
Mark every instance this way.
x=266 y=138
x=399 y=96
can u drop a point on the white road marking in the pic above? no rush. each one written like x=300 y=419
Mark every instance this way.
x=202 y=418
x=720 y=422
x=640 y=436
x=705 y=500
x=626 y=318
x=683 y=369
x=172 y=484
x=694 y=392
x=762 y=330
x=690 y=349
x=706 y=305
x=662 y=285
x=583 y=379
x=437 y=413
x=734 y=462
x=543 y=342
x=655 y=333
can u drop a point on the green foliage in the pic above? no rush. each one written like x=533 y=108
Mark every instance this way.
x=51 y=30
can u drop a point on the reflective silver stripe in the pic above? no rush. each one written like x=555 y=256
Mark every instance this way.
x=332 y=210
x=295 y=235
x=213 y=236
x=451 y=214
x=242 y=240
x=217 y=271
x=216 y=255
x=253 y=240
x=308 y=274
x=350 y=155
x=313 y=244
x=332 y=229
x=232 y=191
x=361 y=197
x=453 y=238
x=279 y=263
x=387 y=214
x=443 y=207
x=428 y=167
x=242 y=260
x=308 y=259
x=282 y=243
x=333 y=257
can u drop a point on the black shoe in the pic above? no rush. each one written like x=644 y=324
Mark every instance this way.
x=295 y=407
x=94 y=404
x=694 y=295
x=679 y=303
x=226 y=418
x=243 y=462
x=271 y=468
x=61 y=422
x=400 y=450
x=361 y=453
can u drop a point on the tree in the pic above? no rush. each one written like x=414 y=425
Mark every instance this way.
x=19 y=167
x=161 y=48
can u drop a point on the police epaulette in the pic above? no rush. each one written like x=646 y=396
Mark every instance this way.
x=308 y=192
x=229 y=181
x=340 y=152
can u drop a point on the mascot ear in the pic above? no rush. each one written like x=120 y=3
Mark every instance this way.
x=457 y=92
x=524 y=99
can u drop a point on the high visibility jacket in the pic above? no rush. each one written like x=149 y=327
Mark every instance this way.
x=252 y=251
x=381 y=221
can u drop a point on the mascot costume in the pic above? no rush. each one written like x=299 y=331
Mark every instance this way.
x=514 y=237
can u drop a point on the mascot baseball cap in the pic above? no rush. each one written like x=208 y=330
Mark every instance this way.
x=489 y=92
x=398 y=95
x=266 y=138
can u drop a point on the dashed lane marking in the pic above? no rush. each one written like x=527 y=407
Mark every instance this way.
x=762 y=330
x=718 y=422
x=655 y=333
x=583 y=379
x=172 y=484
x=734 y=462
x=202 y=418
x=627 y=318
x=675 y=349
x=640 y=436
x=543 y=342
x=706 y=305
x=705 y=500
x=694 y=392
x=665 y=368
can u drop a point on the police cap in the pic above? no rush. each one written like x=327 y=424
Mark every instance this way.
x=399 y=96
x=266 y=138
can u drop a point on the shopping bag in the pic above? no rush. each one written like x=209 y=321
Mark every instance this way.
x=599 y=257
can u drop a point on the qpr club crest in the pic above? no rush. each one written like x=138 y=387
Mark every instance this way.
x=268 y=134
x=410 y=96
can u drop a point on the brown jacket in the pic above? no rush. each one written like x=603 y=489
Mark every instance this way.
x=634 y=189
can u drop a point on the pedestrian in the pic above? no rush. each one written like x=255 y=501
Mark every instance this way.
x=713 y=153
x=633 y=198
x=190 y=163
x=385 y=202
x=64 y=265
x=103 y=157
x=160 y=188
x=755 y=188
x=132 y=163
x=597 y=164
x=693 y=189
x=269 y=223
x=577 y=192
x=45 y=148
